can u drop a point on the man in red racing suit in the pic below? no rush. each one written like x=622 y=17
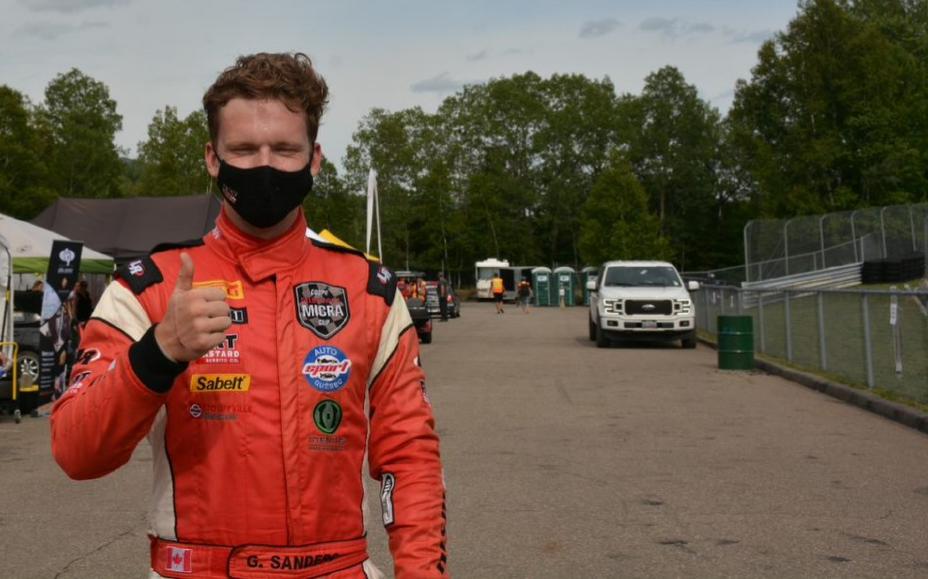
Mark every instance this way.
x=259 y=445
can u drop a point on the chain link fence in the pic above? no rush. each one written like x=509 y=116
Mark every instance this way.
x=780 y=247
x=873 y=338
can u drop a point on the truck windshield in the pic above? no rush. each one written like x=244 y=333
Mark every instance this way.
x=642 y=276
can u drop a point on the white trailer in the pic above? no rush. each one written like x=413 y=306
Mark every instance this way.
x=484 y=272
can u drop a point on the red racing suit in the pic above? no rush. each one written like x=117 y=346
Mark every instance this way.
x=259 y=446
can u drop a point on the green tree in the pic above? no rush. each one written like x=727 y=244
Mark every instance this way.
x=171 y=160
x=616 y=221
x=492 y=158
x=23 y=174
x=331 y=205
x=675 y=153
x=389 y=142
x=834 y=116
x=80 y=121
x=581 y=125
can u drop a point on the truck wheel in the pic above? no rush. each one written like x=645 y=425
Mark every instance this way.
x=689 y=341
x=592 y=329
x=602 y=341
x=29 y=366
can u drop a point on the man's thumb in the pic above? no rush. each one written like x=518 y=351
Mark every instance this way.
x=185 y=277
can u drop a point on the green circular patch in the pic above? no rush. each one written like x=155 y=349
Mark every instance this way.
x=327 y=416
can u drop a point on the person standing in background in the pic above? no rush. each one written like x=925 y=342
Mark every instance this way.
x=525 y=294
x=83 y=303
x=499 y=290
x=443 y=297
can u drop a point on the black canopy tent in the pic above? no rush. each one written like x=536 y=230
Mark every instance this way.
x=129 y=228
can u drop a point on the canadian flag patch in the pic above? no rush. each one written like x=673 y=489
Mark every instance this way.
x=180 y=560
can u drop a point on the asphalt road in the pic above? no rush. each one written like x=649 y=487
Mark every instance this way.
x=564 y=460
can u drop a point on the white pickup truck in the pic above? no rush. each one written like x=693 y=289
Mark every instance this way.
x=641 y=300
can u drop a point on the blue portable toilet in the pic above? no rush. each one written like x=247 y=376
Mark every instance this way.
x=541 y=286
x=565 y=284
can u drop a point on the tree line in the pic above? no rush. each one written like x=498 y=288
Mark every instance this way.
x=564 y=169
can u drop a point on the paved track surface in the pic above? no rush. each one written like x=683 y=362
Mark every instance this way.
x=564 y=460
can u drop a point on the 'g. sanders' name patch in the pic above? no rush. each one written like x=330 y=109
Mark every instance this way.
x=207 y=383
x=294 y=562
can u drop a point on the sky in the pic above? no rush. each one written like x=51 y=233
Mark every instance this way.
x=389 y=54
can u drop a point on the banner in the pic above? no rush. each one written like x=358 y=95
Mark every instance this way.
x=63 y=267
x=55 y=333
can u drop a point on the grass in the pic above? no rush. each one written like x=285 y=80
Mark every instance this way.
x=884 y=393
x=844 y=341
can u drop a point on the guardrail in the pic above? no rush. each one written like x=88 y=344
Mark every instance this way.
x=841 y=276
x=877 y=338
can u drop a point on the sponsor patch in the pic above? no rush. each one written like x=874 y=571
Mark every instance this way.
x=322 y=443
x=140 y=274
x=327 y=369
x=235 y=290
x=217 y=412
x=381 y=282
x=327 y=416
x=321 y=308
x=387 y=484
x=209 y=383
x=225 y=353
x=86 y=356
x=384 y=275
x=239 y=315
x=77 y=380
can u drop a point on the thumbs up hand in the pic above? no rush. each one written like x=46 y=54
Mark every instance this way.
x=196 y=318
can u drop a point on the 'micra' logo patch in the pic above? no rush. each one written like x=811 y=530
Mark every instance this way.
x=321 y=308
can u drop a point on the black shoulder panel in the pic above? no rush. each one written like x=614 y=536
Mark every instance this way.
x=381 y=282
x=178 y=245
x=140 y=274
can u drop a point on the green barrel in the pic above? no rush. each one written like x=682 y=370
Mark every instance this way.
x=736 y=342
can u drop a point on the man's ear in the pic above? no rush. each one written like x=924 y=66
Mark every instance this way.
x=212 y=160
x=316 y=164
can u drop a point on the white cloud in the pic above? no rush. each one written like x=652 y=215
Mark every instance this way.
x=391 y=59
x=53 y=30
x=70 y=6
x=597 y=28
x=675 y=27
x=442 y=84
x=755 y=37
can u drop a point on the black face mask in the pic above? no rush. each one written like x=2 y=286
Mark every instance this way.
x=263 y=196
